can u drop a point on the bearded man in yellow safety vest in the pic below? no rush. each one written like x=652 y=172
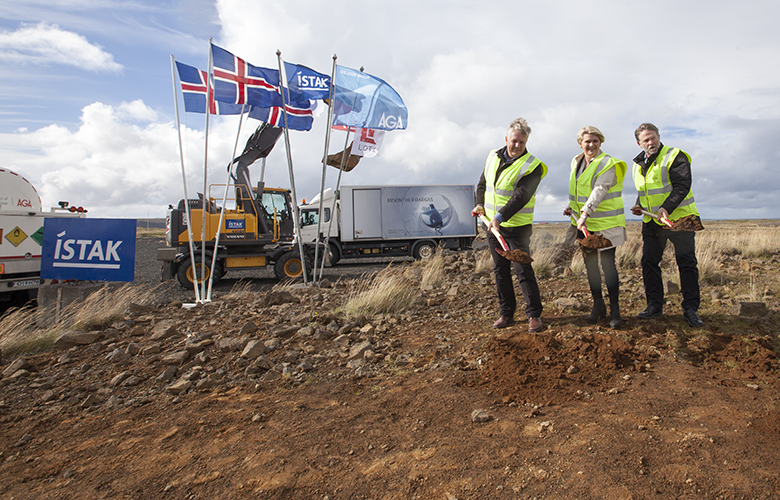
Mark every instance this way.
x=662 y=176
x=506 y=194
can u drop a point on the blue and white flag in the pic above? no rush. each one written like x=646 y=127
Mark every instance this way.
x=365 y=101
x=306 y=81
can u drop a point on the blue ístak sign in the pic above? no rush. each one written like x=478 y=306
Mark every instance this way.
x=88 y=249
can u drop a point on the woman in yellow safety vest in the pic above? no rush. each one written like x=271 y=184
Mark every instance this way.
x=596 y=203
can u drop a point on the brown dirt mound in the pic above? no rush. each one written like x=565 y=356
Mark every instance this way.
x=750 y=357
x=517 y=255
x=595 y=241
x=545 y=370
x=688 y=223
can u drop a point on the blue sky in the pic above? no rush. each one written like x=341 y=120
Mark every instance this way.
x=87 y=110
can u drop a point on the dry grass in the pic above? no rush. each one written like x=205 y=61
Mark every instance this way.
x=749 y=239
x=484 y=261
x=433 y=270
x=629 y=254
x=386 y=292
x=30 y=330
x=155 y=232
x=241 y=290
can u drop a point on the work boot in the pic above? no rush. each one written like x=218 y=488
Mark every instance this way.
x=599 y=311
x=692 y=318
x=650 y=312
x=503 y=322
x=614 y=316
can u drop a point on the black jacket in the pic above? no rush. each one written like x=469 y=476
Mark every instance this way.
x=523 y=192
x=679 y=177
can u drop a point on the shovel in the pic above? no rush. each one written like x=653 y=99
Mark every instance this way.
x=663 y=220
x=592 y=241
x=512 y=255
x=498 y=236
x=584 y=229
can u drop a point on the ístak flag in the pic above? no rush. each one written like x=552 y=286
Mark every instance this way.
x=365 y=101
x=367 y=142
x=238 y=82
x=193 y=89
x=298 y=117
x=311 y=84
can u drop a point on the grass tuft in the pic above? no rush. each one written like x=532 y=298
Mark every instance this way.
x=386 y=292
x=32 y=330
x=433 y=271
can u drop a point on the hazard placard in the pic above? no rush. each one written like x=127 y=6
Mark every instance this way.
x=16 y=236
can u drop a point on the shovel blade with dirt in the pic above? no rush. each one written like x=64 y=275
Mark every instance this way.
x=515 y=255
x=592 y=241
x=687 y=223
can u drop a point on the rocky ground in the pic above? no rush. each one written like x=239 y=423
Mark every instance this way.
x=271 y=392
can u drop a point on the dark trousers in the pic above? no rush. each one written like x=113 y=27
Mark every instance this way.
x=654 y=240
x=516 y=237
x=591 y=258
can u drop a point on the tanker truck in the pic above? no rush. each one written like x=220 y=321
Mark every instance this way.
x=21 y=235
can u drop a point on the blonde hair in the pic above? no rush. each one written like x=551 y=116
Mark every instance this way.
x=589 y=130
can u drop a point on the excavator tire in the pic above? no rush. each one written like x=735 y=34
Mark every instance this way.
x=289 y=266
x=185 y=273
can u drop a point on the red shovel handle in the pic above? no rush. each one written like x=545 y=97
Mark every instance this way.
x=584 y=229
x=495 y=232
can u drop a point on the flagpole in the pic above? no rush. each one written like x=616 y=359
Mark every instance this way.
x=282 y=81
x=224 y=204
x=344 y=156
x=184 y=177
x=322 y=182
x=209 y=100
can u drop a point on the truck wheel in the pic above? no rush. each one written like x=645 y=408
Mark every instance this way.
x=424 y=250
x=333 y=254
x=289 y=266
x=185 y=273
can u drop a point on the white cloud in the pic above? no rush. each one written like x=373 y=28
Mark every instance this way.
x=118 y=163
x=45 y=43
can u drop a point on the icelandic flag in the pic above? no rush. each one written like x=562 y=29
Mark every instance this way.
x=193 y=88
x=365 y=101
x=238 y=82
x=311 y=84
x=298 y=117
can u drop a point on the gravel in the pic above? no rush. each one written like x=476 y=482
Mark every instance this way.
x=148 y=271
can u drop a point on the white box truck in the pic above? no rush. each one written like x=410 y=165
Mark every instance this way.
x=392 y=220
x=21 y=235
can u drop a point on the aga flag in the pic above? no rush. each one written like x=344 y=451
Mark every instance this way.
x=193 y=89
x=365 y=101
x=367 y=142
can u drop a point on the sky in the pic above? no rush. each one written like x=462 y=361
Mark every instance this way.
x=87 y=109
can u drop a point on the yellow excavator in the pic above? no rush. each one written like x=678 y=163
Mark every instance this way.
x=257 y=232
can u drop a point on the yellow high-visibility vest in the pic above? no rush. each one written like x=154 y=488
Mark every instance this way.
x=654 y=187
x=498 y=191
x=610 y=212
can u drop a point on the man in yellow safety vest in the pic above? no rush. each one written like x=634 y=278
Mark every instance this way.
x=506 y=194
x=662 y=176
